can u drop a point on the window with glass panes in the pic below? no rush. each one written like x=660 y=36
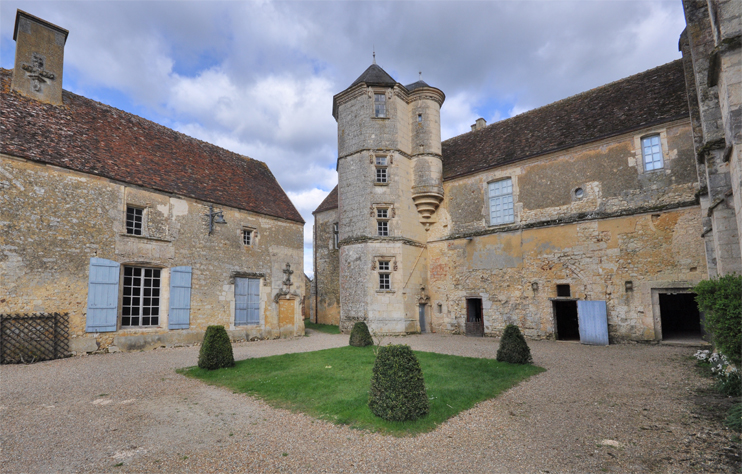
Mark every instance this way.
x=384 y=276
x=382 y=223
x=652 y=153
x=246 y=236
x=141 y=301
x=379 y=105
x=382 y=175
x=501 y=202
x=134 y=217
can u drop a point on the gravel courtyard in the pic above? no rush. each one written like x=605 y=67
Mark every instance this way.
x=622 y=408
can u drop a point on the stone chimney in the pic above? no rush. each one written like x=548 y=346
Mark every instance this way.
x=480 y=124
x=39 y=57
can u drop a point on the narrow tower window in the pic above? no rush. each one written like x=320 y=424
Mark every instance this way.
x=382 y=222
x=384 y=275
x=419 y=118
x=382 y=175
x=335 y=236
x=379 y=105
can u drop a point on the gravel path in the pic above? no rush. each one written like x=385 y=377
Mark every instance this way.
x=90 y=414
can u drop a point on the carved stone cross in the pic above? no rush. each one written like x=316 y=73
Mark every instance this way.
x=288 y=272
x=36 y=72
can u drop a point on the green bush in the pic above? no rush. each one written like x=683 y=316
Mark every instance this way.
x=734 y=420
x=721 y=301
x=513 y=347
x=216 y=350
x=359 y=336
x=397 y=385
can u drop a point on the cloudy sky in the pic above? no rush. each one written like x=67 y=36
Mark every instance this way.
x=258 y=77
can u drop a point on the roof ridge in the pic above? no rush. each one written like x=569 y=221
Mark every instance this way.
x=571 y=97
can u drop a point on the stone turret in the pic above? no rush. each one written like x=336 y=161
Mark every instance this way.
x=39 y=58
x=389 y=187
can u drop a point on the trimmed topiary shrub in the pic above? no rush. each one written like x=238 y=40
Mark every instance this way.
x=216 y=350
x=513 y=347
x=721 y=301
x=359 y=336
x=397 y=385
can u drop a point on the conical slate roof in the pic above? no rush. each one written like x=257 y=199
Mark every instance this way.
x=416 y=85
x=375 y=76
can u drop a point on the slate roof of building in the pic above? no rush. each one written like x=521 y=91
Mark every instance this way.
x=330 y=202
x=90 y=137
x=639 y=101
x=375 y=76
x=416 y=85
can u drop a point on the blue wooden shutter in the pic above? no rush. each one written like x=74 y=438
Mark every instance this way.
x=253 y=301
x=179 y=316
x=593 y=321
x=240 y=301
x=103 y=295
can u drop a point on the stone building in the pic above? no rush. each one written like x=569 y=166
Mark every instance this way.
x=144 y=235
x=589 y=218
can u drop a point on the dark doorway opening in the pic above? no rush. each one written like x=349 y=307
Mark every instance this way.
x=474 y=320
x=422 y=318
x=567 y=326
x=680 y=316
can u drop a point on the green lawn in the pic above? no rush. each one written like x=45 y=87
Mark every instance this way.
x=326 y=328
x=333 y=384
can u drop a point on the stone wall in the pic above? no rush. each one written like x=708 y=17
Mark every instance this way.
x=326 y=269
x=629 y=226
x=52 y=221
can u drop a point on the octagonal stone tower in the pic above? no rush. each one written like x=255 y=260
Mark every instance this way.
x=389 y=187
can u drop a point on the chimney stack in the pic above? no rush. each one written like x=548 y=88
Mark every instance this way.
x=39 y=57
x=480 y=124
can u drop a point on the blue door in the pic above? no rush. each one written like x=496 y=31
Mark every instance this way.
x=593 y=322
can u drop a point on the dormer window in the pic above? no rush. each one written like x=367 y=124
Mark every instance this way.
x=380 y=105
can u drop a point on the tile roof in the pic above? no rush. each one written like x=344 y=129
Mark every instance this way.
x=416 y=85
x=87 y=136
x=639 y=101
x=330 y=202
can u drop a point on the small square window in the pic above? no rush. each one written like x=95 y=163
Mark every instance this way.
x=563 y=291
x=384 y=266
x=381 y=161
x=134 y=220
x=382 y=213
x=247 y=237
x=380 y=105
x=652 y=153
x=382 y=228
x=381 y=175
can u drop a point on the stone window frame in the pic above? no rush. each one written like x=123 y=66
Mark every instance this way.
x=253 y=235
x=489 y=197
x=384 y=266
x=335 y=235
x=644 y=145
x=373 y=92
x=164 y=302
x=381 y=162
x=143 y=223
x=375 y=213
x=638 y=158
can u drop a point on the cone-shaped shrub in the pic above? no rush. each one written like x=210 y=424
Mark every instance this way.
x=359 y=336
x=216 y=350
x=513 y=347
x=397 y=386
